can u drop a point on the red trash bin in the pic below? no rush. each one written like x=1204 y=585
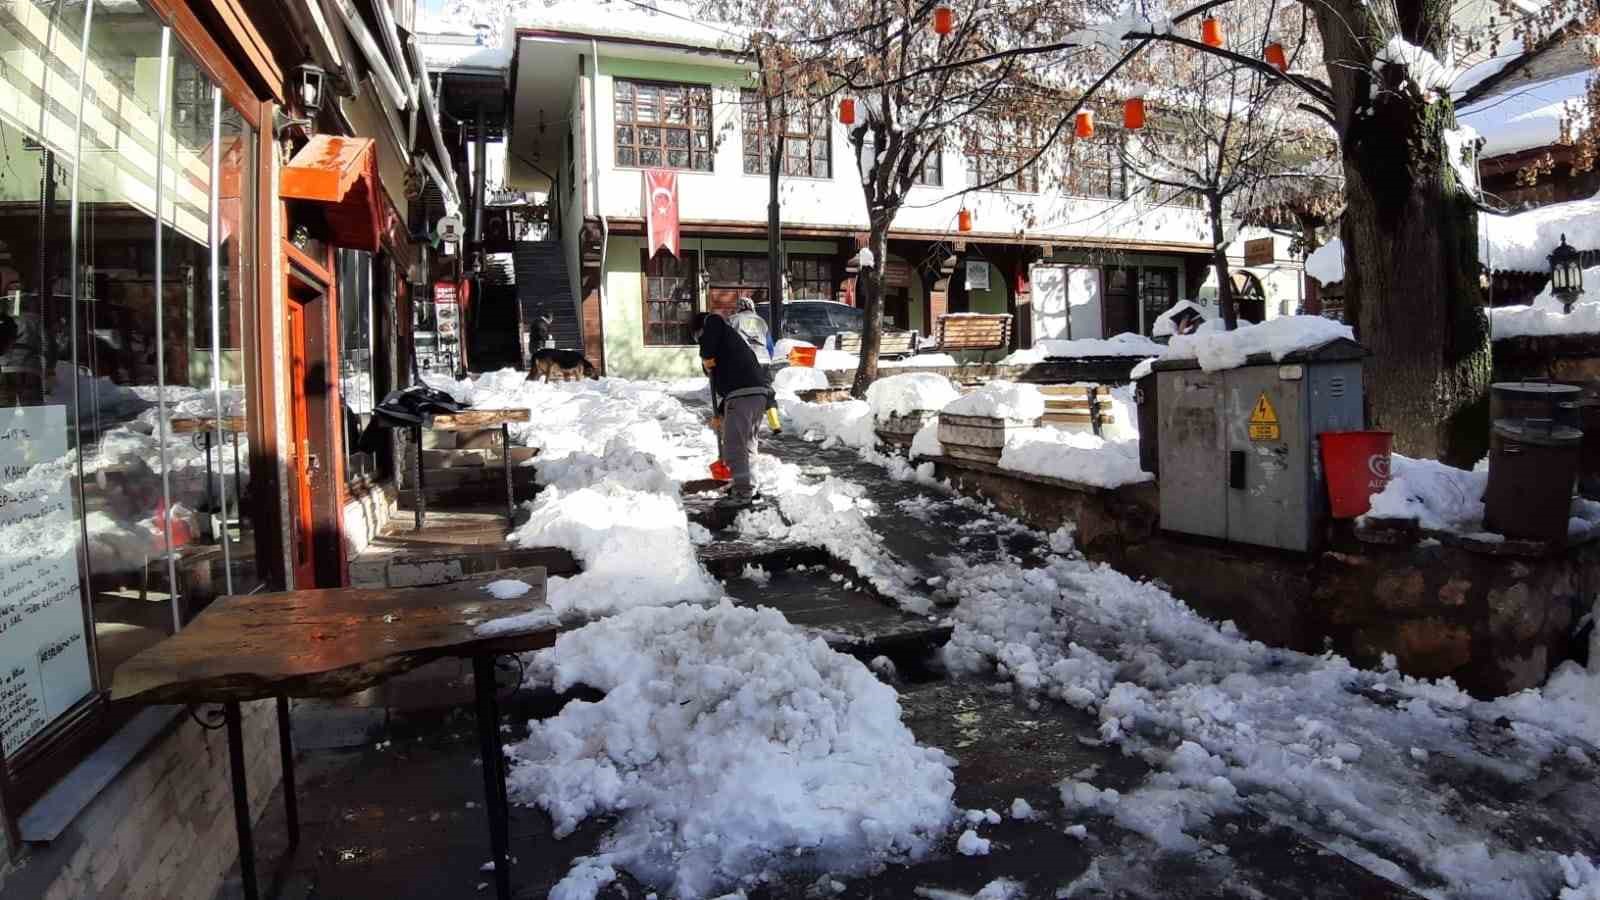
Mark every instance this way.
x=1356 y=464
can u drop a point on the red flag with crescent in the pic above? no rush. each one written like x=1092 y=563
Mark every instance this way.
x=661 y=205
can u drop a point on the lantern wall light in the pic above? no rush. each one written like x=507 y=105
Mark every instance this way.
x=1566 y=274
x=309 y=79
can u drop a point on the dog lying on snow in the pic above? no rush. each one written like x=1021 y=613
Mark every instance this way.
x=569 y=365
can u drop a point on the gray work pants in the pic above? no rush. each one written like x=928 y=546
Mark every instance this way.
x=741 y=416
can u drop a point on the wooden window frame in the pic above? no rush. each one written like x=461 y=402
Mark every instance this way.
x=662 y=127
x=1025 y=181
x=690 y=258
x=1102 y=155
x=831 y=282
x=817 y=130
x=919 y=178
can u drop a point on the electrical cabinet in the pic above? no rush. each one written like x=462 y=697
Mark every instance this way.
x=1240 y=459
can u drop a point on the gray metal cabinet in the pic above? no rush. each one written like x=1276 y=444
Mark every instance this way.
x=1239 y=452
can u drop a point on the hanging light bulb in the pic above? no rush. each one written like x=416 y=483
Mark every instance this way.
x=964 y=220
x=1083 y=125
x=1133 y=113
x=944 y=20
x=1211 y=32
x=847 y=111
x=1276 y=57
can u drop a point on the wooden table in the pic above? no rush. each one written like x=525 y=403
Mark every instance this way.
x=207 y=425
x=471 y=420
x=330 y=643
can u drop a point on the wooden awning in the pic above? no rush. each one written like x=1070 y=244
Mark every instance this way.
x=342 y=173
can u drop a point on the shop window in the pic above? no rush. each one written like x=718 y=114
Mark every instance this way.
x=122 y=394
x=1095 y=167
x=929 y=174
x=1009 y=170
x=669 y=299
x=806 y=134
x=660 y=125
x=812 y=278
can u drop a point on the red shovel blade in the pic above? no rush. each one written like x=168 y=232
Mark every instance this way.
x=721 y=472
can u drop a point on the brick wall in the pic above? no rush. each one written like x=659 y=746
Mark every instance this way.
x=164 y=828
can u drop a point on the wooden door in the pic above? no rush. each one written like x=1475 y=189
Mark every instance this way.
x=301 y=460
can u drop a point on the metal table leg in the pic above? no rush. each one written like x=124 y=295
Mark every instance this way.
x=241 y=801
x=291 y=803
x=505 y=462
x=422 y=497
x=494 y=774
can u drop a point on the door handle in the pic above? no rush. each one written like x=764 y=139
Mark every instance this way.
x=313 y=464
x=1236 y=469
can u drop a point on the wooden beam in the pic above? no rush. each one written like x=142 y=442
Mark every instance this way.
x=250 y=44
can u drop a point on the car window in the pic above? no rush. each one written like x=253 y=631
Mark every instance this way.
x=847 y=318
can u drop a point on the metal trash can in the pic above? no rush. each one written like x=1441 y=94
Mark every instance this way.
x=1144 y=398
x=1512 y=400
x=1533 y=464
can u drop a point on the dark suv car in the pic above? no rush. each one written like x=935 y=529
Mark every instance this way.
x=814 y=321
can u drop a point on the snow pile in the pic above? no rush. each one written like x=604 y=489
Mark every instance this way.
x=1460 y=148
x=634 y=548
x=1278 y=337
x=926 y=442
x=902 y=395
x=1326 y=263
x=849 y=422
x=1125 y=344
x=1000 y=400
x=795 y=379
x=1422 y=68
x=1108 y=34
x=728 y=744
x=1523 y=242
x=1165 y=324
x=1580 y=878
x=1529 y=115
x=1439 y=497
x=507 y=588
x=1073 y=456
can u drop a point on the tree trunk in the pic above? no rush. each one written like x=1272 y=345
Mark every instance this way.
x=872 y=307
x=1410 y=243
x=1219 y=261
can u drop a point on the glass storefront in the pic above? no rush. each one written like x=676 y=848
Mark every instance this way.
x=127 y=211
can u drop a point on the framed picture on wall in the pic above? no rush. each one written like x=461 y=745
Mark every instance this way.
x=977 y=275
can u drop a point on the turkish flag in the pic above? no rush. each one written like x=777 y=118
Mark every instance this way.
x=661 y=204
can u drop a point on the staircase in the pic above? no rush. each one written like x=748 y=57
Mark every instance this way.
x=542 y=285
x=495 y=342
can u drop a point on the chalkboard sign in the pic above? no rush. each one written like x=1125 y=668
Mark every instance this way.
x=44 y=651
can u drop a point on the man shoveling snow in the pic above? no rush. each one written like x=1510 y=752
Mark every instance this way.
x=741 y=392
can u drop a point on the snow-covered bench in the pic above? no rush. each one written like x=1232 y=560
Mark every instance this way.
x=891 y=344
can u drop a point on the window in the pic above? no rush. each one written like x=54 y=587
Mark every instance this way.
x=124 y=511
x=985 y=166
x=1158 y=290
x=366 y=303
x=663 y=125
x=669 y=299
x=812 y=278
x=1094 y=166
x=807 y=133
x=931 y=174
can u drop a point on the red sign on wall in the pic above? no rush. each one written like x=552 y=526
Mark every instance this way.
x=661 y=205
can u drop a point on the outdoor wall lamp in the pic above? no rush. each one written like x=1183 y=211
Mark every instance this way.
x=308 y=82
x=1566 y=274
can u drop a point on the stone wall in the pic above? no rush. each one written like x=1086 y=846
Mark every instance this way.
x=1496 y=618
x=163 y=829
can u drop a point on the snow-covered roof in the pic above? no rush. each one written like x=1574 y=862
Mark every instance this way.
x=1523 y=242
x=1528 y=116
x=1474 y=75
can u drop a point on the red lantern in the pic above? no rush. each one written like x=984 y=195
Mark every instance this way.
x=1276 y=57
x=964 y=220
x=1083 y=124
x=847 y=111
x=1133 y=113
x=944 y=20
x=1211 y=32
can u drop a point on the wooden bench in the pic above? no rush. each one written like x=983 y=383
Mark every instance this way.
x=974 y=331
x=1077 y=405
x=891 y=344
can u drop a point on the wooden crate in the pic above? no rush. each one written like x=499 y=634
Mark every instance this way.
x=979 y=438
x=899 y=430
x=1076 y=406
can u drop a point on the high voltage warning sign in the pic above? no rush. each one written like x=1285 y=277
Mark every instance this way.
x=1264 y=420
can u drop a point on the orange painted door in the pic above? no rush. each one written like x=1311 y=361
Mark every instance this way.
x=301 y=462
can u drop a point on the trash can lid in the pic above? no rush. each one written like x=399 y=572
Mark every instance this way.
x=1537 y=431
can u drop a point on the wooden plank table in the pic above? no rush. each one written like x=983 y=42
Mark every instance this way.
x=329 y=643
x=470 y=420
